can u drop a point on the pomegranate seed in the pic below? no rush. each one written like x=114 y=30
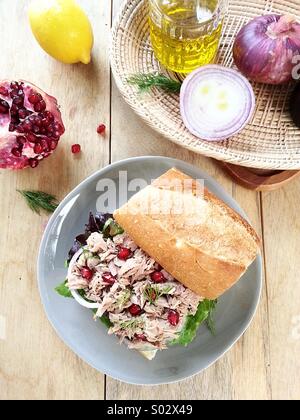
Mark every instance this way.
x=21 y=140
x=11 y=127
x=45 y=145
x=20 y=129
x=38 y=121
x=34 y=98
x=22 y=113
x=58 y=128
x=18 y=102
x=32 y=138
x=14 y=112
x=141 y=337
x=101 y=129
x=14 y=93
x=33 y=163
x=48 y=115
x=37 y=149
x=14 y=85
x=76 y=148
x=108 y=278
x=3 y=91
x=158 y=277
x=36 y=129
x=46 y=122
x=53 y=144
x=124 y=254
x=27 y=126
x=87 y=273
x=135 y=310
x=173 y=318
x=40 y=106
x=16 y=152
x=4 y=107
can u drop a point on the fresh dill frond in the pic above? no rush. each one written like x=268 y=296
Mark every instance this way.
x=39 y=200
x=124 y=298
x=145 y=82
x=152 y=293
x=132 y=324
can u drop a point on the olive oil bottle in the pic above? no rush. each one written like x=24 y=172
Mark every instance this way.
x=185 y=34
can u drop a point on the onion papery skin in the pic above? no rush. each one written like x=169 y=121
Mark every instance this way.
x=265 y=48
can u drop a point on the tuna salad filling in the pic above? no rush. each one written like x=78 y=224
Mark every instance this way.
x=144 y=305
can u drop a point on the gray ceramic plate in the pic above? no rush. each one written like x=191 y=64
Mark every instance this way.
x=89 y=339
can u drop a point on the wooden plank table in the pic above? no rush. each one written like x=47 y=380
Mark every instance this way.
x=34 y=363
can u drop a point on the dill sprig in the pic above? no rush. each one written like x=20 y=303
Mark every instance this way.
x=132 y=324
x=39 y=200
x=124 y=298
x=152 y=293
x=145 y=82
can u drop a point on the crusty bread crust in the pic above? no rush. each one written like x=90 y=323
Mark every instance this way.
x=207 y=247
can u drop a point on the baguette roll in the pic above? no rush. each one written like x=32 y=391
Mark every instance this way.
x=191 y=233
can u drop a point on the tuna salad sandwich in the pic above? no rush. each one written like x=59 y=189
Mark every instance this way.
x=152 y=273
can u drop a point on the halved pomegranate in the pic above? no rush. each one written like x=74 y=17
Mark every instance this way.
x=30 y=125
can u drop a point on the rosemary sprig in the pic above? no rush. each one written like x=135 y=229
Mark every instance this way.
x=39 y=200
x=145 y=82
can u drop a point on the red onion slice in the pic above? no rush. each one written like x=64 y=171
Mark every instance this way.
x=216 y=102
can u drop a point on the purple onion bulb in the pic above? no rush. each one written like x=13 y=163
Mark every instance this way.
x=266 y=49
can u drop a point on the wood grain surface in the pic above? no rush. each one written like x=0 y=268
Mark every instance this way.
x=34 y=363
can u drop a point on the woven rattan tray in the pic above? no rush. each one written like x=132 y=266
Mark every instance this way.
x=270 y=141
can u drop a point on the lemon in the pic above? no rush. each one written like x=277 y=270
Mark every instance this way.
x=62 y=29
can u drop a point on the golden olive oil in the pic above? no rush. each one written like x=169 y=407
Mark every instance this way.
x=185 y=34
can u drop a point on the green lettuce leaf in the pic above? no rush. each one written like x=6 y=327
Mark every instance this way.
x=104 y=319
x=204 y=313
x=64 y=291
x=111 y=228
